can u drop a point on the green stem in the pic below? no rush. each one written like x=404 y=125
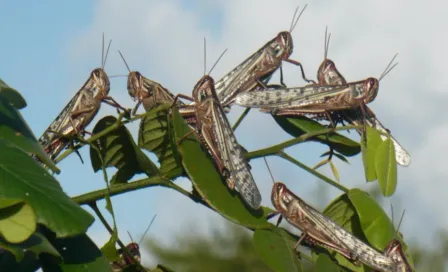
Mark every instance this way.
x=273 y=150
x=100 y=134
x=111 y=231
x=240 y=119
x=132 y=186
x=311 y=171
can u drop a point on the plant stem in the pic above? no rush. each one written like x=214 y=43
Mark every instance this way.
x=314 y=172
x=111 y=231
x=273 y=150
x=100 y=134
x=132 y=186
x=240 y=119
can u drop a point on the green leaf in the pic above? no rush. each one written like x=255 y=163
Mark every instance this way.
x=342 y=212
x=297 y=126
x=13 y=96
x=15 y=130
x=119 y=150
x=341 y=157
x=40 y=190
x=325 y=264
x=209 y=184
x=109 y=250
x=369 y=149
x=36 y=243
x=386 y=167
x=79 y=254
x=319 y=164
x=28 y=262
x=334 y=170
x=375 y=223
x=17 y=220
x=275 y=247
x=156 y=134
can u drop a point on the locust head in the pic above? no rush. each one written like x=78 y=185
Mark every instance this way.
x=281 y=197
x=134 y=249
x=327 y=74
x=204 y=89
x=135 y=86
x=371 y=88
x=101 y=80
x=395 y=251
x=283 y=45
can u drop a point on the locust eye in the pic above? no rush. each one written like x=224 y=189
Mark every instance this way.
x=371 y=82
x=138 y=75
x=96 y=72
x=202 y=95
x=329 y=64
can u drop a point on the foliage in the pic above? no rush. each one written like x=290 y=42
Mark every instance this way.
x=40 y=226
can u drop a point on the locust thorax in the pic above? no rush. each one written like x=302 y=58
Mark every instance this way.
x=204 y=89
x=101 y=80
x=371 y=88
x=283 y=45
x=328 y=74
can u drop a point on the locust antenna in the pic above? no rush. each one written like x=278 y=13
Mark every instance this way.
x=107 y=53
x=143 y=236
x=297 y=20
x=130 y=236
x=205 y=55
x=118 y=76
x=102 y=53
x=216 y=62
x=125 y=63
x=327 y=43
x=269 y=169
x=388 y=68
x=399 y=222
x=392 y=213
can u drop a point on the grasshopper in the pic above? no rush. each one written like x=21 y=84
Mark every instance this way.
x=215 y=133
x=395 y=251
x=133 y=248
x=258 y=69
x=327 y=74
x=314 y=99
x=320 y=230
x=151 y=94
x=79 y=111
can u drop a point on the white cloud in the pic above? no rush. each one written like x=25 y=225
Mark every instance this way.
x=164 y=41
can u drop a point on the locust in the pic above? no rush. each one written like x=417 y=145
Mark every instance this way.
x=315 y=100
x=79 y=111
x=257 y=69
x=215 y=133
x=395 y=251
x=134 y=250
x=152 y=94
x=328 y=74
x=318 y=229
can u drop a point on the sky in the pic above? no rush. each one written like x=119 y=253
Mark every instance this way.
x=48 y=50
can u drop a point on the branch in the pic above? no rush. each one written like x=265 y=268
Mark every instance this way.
x=328 y=180
x=275 y=149
x=133 y=186
x=240 y=119
x=100 y=134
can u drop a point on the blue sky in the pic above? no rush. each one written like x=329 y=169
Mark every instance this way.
x=48 y=50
